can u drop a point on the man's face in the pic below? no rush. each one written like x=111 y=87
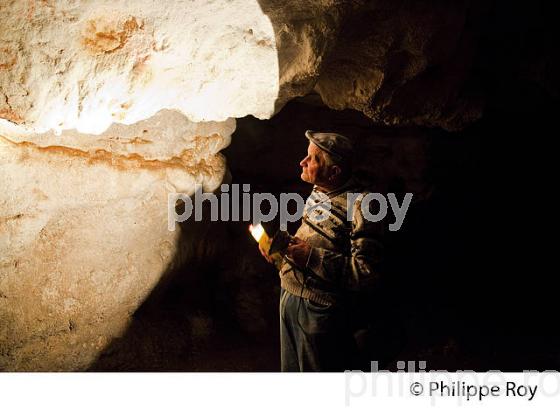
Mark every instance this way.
x=313 y=168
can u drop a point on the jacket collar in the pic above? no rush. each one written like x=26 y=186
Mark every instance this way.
x=351 y=184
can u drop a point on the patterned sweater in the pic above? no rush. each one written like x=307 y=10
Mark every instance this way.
x=344 y=253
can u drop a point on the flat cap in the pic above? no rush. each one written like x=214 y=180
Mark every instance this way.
x=339 y=146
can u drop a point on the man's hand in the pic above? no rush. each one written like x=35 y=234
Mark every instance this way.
x=264 y=254
x=298 y=251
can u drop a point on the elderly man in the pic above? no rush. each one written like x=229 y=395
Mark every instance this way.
x=329 y=259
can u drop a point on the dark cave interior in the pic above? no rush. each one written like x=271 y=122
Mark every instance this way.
x=458 y=297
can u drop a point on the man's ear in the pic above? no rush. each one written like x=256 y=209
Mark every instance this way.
x=335 y=171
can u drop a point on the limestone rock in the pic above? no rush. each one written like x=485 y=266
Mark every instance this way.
x=83 y=232
x=84 y=65
x=406 y=62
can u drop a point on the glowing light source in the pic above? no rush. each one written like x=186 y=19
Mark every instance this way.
x=273 y=247
x=257 y=231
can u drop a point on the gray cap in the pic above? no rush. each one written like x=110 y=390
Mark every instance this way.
x=339 y=146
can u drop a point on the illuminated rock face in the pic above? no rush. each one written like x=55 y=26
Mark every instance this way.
x=83 y=231
x=86 y=64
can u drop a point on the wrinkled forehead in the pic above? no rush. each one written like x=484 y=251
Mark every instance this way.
x=313 y=149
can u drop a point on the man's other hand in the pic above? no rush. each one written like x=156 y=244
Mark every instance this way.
x=264 y=254
x=298 y=251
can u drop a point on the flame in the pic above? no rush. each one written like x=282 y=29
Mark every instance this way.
x=256 y=231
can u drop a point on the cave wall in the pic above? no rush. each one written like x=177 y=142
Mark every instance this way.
x=84 y=233
x=68 y=65
x=108 y=106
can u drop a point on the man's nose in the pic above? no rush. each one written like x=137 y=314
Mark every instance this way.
x=303 y=162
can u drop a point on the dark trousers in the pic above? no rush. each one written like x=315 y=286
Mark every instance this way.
x=314 y=337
